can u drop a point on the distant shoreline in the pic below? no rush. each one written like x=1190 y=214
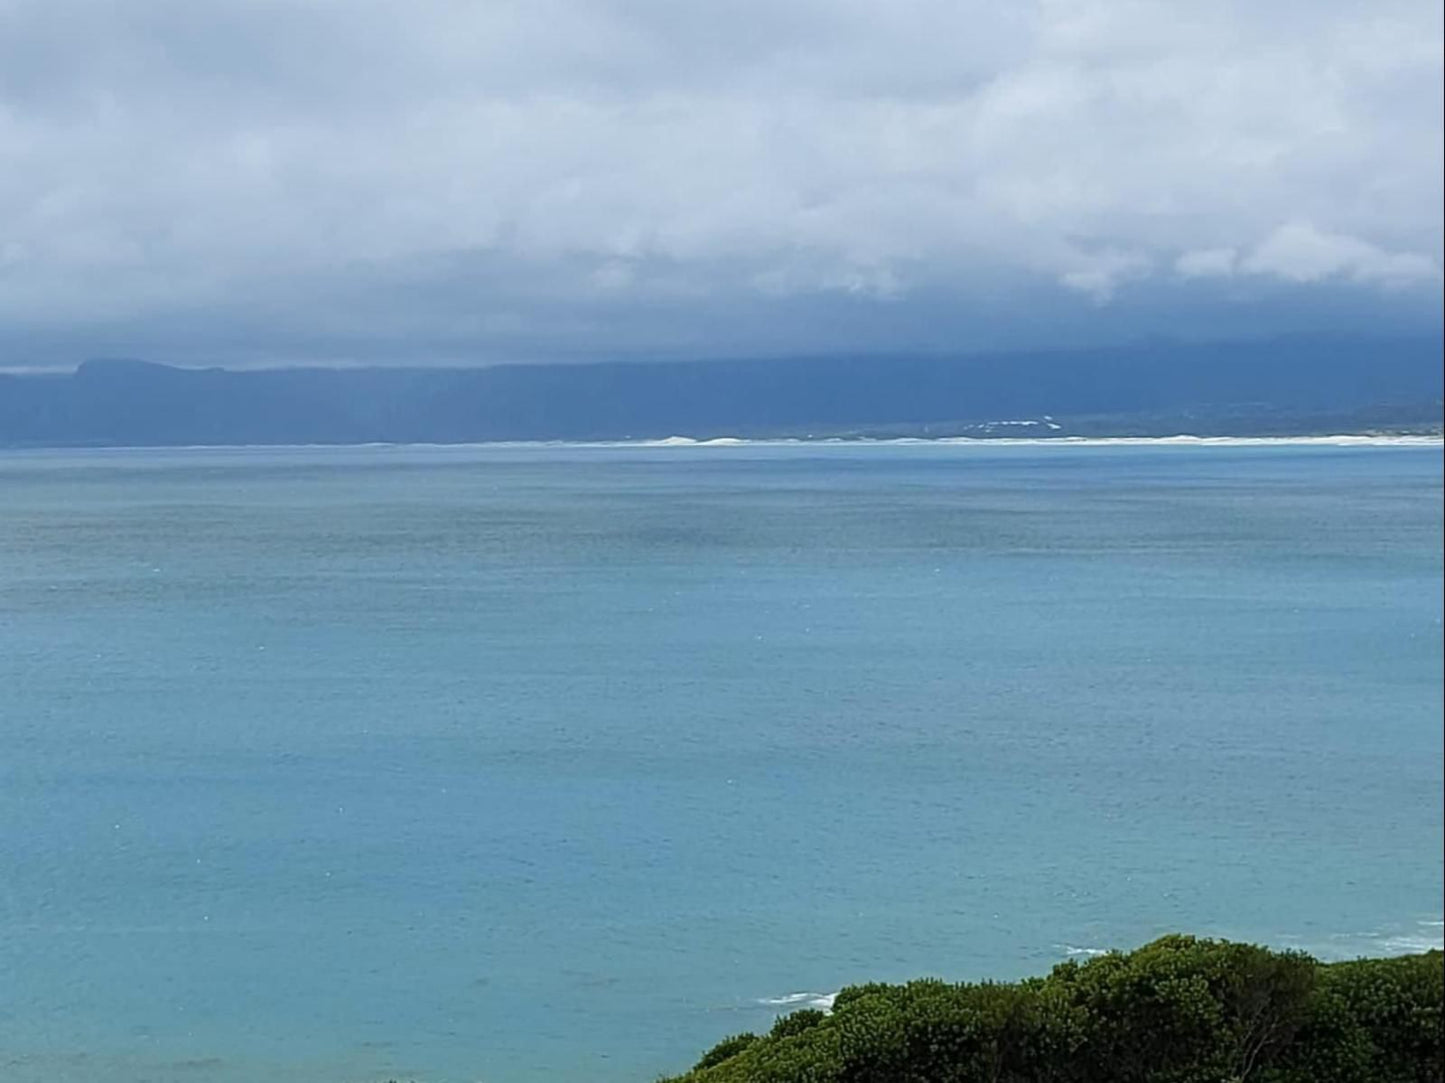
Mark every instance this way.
x=1180 y=440
x=1275 y=389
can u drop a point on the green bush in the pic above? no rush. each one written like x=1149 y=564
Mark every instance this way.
x=796 y=1023
x=1179 y=1010
x=728 y=1047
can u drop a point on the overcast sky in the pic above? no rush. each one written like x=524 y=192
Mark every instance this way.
x=273 y=181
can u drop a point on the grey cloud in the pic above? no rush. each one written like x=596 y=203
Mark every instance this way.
x=1300 y=252
x=648 y=175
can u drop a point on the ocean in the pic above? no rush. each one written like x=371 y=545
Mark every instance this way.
x=513 y=764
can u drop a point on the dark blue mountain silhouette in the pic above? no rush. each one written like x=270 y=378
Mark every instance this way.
x=1284 y=385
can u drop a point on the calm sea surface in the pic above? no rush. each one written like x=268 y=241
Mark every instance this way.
x=513 y=764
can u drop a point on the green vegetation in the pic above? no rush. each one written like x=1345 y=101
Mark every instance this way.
x=1180 y=1010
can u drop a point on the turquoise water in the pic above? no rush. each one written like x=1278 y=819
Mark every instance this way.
x=523 y=764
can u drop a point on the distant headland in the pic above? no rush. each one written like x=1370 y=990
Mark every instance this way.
x=1278 y=388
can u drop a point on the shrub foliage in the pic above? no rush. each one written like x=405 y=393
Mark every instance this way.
x=1179 y=1010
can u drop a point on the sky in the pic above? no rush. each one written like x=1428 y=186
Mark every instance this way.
x=437 y=181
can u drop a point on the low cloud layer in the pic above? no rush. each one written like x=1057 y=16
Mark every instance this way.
x=275 y=180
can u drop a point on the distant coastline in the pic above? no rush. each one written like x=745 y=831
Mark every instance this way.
x=1180 y=440
x=1286 y=388
x=1183 y=440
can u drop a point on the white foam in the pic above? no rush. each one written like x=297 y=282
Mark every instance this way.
x=1188 y=440
x=822 y=1001
x=1410 y=945
x=1426 y=936
x=1178 y=440
x=1088 y=953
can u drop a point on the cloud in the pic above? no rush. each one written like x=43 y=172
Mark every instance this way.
x=296 y=176
x=1299 y=252
x=1099 y=275
x=1207 y=263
